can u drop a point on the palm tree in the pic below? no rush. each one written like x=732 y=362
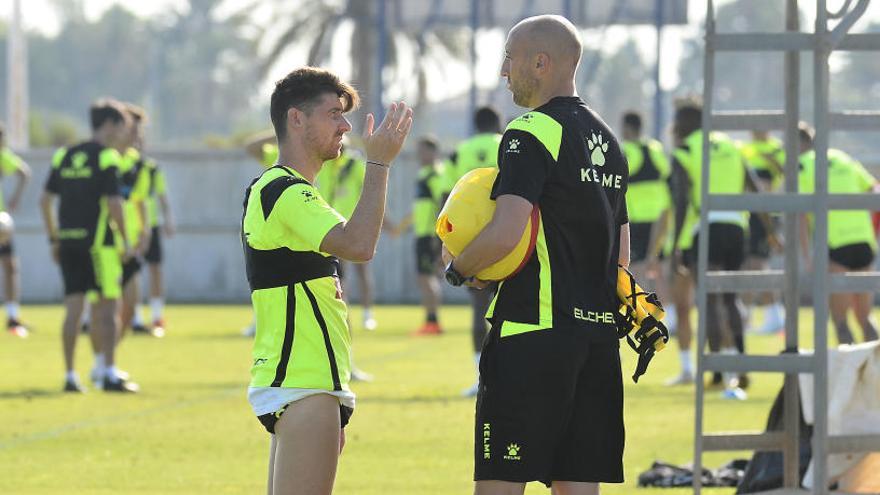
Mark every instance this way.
x=314 y=25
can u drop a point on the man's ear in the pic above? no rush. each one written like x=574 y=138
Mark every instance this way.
x=542 y=61
x=295 y=117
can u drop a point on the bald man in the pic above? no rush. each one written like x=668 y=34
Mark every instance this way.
x=550 y=401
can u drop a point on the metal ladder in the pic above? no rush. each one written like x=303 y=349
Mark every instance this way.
x=821 y=43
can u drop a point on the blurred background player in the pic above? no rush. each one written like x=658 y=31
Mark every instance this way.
x=852 y=243
x=157 y=199
x=89 y=239
x=648 y=204
x=480 y=150
x=134 y=180
x=429 y=192
x=11 y=164
x=728 y=175
x=766 y=157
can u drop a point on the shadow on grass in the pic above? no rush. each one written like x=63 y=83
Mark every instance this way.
x=225 y=335
x=416 y=399
x=28 y=394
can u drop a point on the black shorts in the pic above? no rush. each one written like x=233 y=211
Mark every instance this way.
x=759 y=245
x=129 y=269
x=77 y=270
x=154 y=251
x=268 y=420
x=853 y=256
x=427 y=254
x=549 y=408
x=7 y=249
x=639 y=238
x=727 y=247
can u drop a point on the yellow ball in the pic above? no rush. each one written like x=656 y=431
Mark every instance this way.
x=468 y=210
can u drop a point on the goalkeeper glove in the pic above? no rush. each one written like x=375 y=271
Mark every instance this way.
x=639 y=320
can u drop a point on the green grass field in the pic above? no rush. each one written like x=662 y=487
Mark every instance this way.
x=191 y=430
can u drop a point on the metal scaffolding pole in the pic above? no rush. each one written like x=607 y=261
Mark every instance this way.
x=17 y=99
x=820 y=251
x=791 y=405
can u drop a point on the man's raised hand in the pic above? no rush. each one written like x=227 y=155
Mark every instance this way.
x=383 y=144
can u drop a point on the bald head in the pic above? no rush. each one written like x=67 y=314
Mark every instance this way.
x=552 y=35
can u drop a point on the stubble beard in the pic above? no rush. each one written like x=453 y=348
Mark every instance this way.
x=524 y=90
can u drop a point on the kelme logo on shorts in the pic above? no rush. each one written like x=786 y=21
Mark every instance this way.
x=487 y=439
x=513 y=146
x=513 y=452
x=598 y=148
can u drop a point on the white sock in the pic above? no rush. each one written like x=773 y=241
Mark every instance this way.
x=687 y=366
x=156 y=306
x=368 y=313
x=671 y=318
x=112 y=373
x=728 y=376
x=100 y=362
x=138 y=319
x=12 y=310
x=778 y=311
x=86 y=314
x=71 y=376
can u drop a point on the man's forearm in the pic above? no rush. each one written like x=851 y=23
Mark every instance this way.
x=659 y=231
x=166 y=209
x=48 y=219
x=366 y=220
x=485 y=250
x=624 y=256
x=114 y=207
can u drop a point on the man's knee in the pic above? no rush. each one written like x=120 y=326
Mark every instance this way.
x=491 y=487
x=574 y=488
x=10 y=265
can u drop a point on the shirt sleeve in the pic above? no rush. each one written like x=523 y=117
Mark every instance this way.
x=10 y=163
x=54 y=178
x=304 y=213
x=522 y=166
x=53 y=181
x=160 y=186
x=865 y=179
x=108 y=175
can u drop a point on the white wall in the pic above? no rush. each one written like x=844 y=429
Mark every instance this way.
x=203 y=262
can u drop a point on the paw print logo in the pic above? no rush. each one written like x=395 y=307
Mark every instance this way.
x=598 y=149
x=308 y=195
x=513 y=449
x=513 y=146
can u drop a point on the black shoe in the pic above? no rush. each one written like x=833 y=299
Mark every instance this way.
x=715 y=382
x=84 y=328
x=743 y=381
x=143 y=330
x=75 y=387
x=15 y=327
x=120 y=385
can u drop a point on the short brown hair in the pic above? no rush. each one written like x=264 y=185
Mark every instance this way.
x=301 y=89
x=104 y=109
x=806 y=133
x=137 y=112
x=430 y=141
